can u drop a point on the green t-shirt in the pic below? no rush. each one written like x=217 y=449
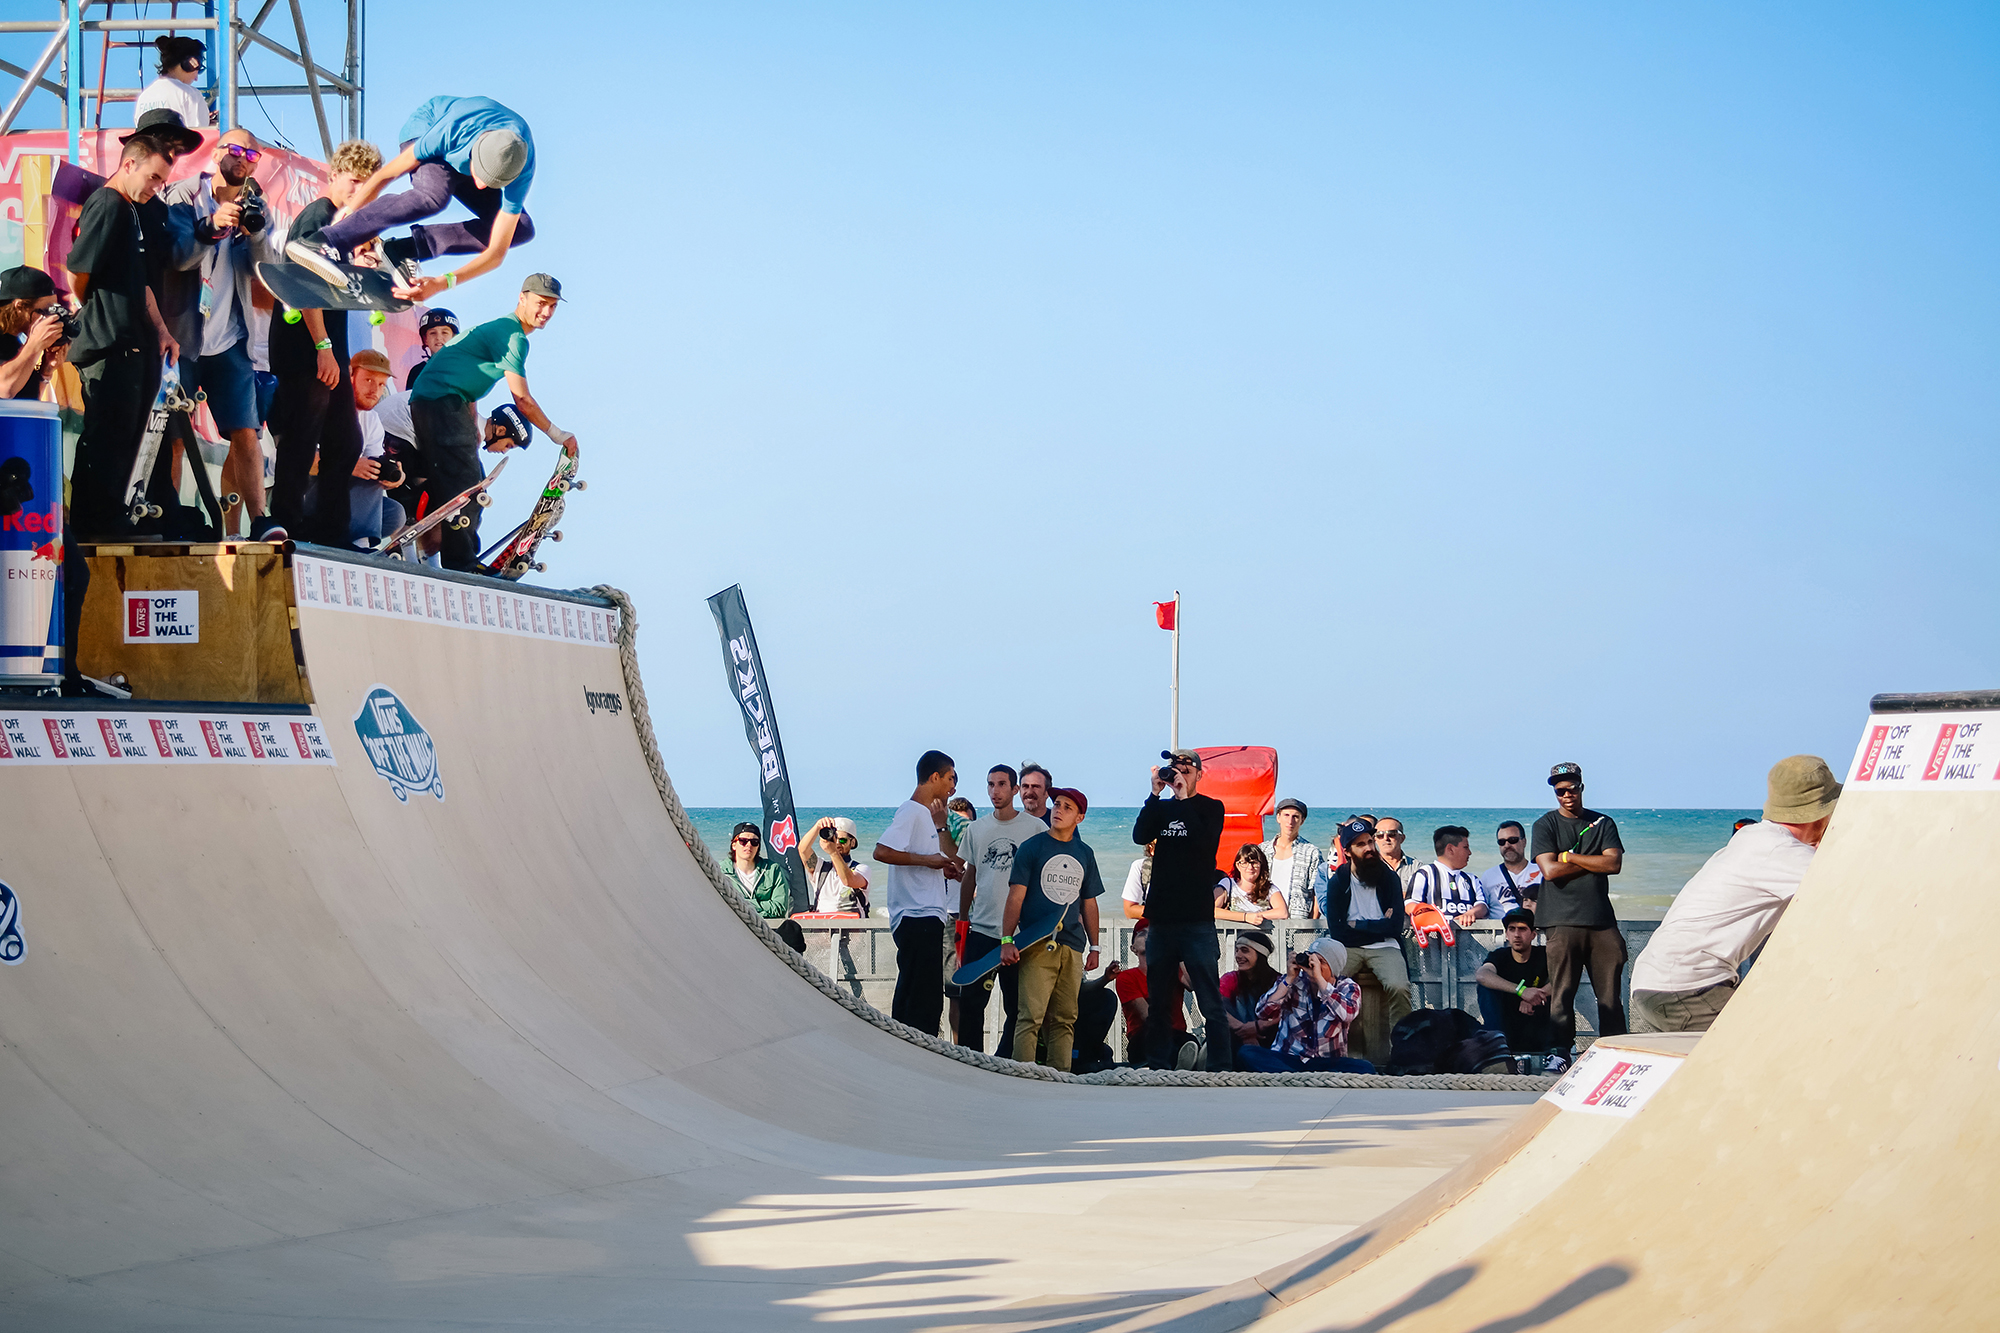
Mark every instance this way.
x=472 y=363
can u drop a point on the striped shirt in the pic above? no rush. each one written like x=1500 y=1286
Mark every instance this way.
x=1453 y=892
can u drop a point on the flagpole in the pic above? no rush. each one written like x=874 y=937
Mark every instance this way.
x=1174 y=729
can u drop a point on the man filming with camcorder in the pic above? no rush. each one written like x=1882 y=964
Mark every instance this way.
x=1185 y=828
x=34 y=331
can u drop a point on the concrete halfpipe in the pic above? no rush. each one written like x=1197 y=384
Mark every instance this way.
x=376 y=987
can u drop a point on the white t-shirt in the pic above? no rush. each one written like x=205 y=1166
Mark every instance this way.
x=177 y=97
x=371 y=434
x=394 y=414
x=1239 y=899
x=987 y=848
x=827 y=886
x=913 y=890
x=1281 y=873
x=1493 y=884
x=1364 y=904
x=1135 y=887
x=1729 y=908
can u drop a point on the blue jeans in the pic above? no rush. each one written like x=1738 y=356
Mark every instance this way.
x=1257 y=1060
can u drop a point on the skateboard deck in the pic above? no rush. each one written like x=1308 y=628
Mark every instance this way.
x=170 y=399
x=514 y=555
x=1027 y=934
x=299 y=288
x=474 y=494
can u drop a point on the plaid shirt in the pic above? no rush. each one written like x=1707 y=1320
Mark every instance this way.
x=1312 y=1022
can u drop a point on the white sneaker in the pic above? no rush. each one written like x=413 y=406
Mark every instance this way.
x=322 y=259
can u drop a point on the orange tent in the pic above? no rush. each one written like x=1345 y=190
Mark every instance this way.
x=1245 y=779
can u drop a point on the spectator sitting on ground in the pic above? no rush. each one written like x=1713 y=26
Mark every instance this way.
x=1137 y=881
x=1689 y=969
x=1514 y=988
x=1448 y=886
x=765 y=884
x=1516 y=877
x=1135 y=1002
x=1244 y=988
x=31 y=342
x=1248 y=896
x=1298 y=870
x=1364 y=911
x=1389 y=839
x=1036 y=784
x=1312 y=1006
x=836 y=882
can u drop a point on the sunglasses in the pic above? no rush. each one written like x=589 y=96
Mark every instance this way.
x=1510 y=842
x=1395 y=833
x=747 y=841
x=1568 y=791
x=247 y=154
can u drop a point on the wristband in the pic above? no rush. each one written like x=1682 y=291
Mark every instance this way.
x=450 y=281
x=1520 y=988
x=1006 y=939
x=323 y=345
x=1564 y=858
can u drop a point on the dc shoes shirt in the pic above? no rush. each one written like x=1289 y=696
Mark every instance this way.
x=1058 y=876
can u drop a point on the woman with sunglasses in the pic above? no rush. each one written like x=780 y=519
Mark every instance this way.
x=182 y=61
x=764 y=883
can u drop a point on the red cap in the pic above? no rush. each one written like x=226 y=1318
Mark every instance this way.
x=1082 y=801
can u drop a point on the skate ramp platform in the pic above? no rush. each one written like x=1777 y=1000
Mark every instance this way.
x=411 y=1008
x=1824 y=1158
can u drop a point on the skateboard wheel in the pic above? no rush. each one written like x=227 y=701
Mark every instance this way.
x=484 y=499
x=562 y=486
x=201 y=395
x=580 y=485
x=556 y=536
x=294 y=316
x=231 y=500
x=376 y=317
x=540 y=567
x=458 y=522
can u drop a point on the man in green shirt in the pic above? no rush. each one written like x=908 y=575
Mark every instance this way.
x=444 y=406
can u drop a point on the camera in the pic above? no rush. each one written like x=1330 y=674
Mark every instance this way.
x=1303 y=960
x=829 y=835
x=250 y=211
x=389 y=473
x=71 y=322
x=1167 y=769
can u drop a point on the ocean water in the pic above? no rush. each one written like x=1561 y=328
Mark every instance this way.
x=1663 y=848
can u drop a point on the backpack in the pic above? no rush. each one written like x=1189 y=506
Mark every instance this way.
x=1429 y=1041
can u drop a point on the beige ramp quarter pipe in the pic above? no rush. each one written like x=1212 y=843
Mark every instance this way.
x=1824 y=1158
x=409 y=1008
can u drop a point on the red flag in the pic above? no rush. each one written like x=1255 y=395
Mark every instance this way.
x=1163 y=613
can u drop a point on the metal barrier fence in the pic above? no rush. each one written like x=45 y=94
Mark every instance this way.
x=861 y=956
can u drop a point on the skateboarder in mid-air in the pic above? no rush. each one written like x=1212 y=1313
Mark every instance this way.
x=444 y=405
x=470 y=149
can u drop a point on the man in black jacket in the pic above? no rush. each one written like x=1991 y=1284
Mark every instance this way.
x=1184 y=829
x=1364 y=911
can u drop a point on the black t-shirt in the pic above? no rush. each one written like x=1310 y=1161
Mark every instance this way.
x=1578 y=900
x=1525 y=1032
x=110 y=247
x=291 y=349
x=1184 y=834
x=410 y=380
x=11 y=347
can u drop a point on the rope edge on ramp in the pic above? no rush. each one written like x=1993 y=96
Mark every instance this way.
x=642 y=723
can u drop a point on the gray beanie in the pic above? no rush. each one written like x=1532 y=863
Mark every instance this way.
x=1331 y=949
x=498 y=157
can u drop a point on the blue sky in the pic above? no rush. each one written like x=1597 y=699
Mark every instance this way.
x=1499 y=384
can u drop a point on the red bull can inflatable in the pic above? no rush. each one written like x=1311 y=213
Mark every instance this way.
x=31 y=544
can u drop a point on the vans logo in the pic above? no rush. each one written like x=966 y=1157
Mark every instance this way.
x=12 y=948
x=398 y=747
x=610 y=703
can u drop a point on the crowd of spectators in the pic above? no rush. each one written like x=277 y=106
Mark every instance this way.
x=1027 y=888
x=161 y=277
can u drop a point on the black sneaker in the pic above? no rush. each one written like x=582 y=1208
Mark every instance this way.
x=322 y=259
x=399 y=252
x=268 y=529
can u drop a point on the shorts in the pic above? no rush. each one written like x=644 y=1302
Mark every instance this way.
x=230 y=382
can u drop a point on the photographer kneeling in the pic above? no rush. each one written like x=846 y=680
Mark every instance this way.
x=1312 y=1005
x=33 y=332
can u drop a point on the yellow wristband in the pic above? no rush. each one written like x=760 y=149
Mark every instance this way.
x=1564 y=858
x=450 y=281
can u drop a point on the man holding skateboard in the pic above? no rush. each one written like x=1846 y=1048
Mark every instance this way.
x=471 y=149
x=989 y=846
x=444 y=405
x=313 y=413
x=1049 y=921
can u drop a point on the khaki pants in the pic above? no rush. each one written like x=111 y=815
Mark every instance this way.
x=1685 y=1011
x=1368 y=1038
x=1050 y=980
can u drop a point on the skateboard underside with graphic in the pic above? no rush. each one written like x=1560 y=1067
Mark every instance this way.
x=451 y=511
x=298 y=289
x=514 y=555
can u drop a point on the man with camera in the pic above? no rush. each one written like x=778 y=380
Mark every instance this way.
x=1312 y=1006
x=34 y=331
x=224 y=328
x=1185 y=828
x=371 y=513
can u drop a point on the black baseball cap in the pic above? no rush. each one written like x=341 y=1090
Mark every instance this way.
x=25 y=283
x=1570 y=771
x=1520 y=915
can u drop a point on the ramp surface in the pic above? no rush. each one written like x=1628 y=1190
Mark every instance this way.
x=452 y=1032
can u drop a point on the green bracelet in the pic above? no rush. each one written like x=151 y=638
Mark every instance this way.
x=1006 y=939
x=323 y=345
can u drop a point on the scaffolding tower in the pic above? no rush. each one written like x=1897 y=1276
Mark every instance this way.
x=82 y=28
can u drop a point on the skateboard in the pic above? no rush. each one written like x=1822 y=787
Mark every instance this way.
x=514 y=555
x=446 y=512
x=1027 y=934
x=298 y=288
x=170 y=399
